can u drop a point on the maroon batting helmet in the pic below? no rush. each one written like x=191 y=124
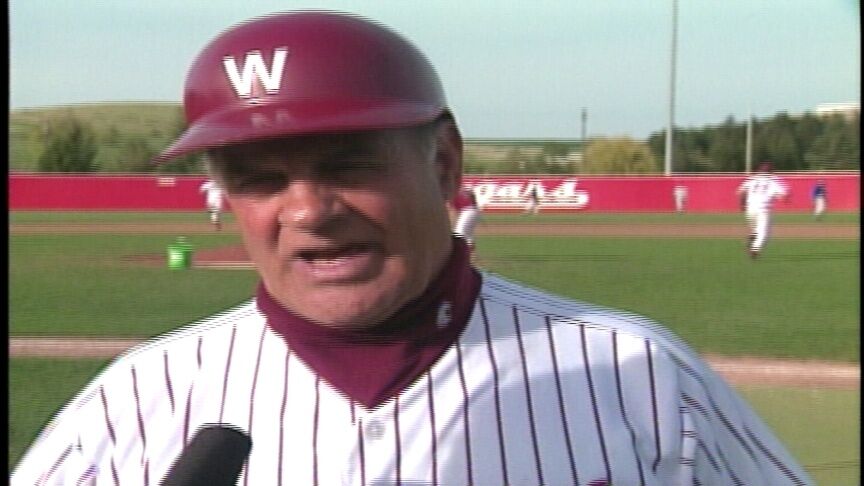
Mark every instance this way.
x=304 y=73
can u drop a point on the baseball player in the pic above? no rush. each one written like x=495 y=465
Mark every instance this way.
x=213 y=195
x=467 y=214
x=820 y=196
x=759 y=192
x=373 y=352
x=679 y=194
x=532 y=204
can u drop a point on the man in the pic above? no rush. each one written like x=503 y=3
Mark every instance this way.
x=532 y=201
x=373 y=353
x=759 y=192
x=213 y=195
x=679 y=193
x=820 y=196
x=467 y=214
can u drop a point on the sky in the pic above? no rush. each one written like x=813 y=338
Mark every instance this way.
x=511 y=69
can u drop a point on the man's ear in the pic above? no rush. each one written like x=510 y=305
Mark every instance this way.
x=448 y=157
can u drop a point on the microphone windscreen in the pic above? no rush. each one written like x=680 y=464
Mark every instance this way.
x=214 y=457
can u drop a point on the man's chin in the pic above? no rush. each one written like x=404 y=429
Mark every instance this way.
x=341 y=307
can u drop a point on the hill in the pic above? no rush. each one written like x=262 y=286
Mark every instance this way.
x=117 y=126
x=125 y=130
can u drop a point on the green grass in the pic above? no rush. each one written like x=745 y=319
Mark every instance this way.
x=81 y=285
x=799 y=300
x=38 y=387
x=819 y=427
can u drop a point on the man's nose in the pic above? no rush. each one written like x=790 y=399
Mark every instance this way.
x=308 y=205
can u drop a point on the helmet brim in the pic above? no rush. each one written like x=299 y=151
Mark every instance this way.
x=254 y=122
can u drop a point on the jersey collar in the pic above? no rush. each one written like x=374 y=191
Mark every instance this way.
x=371 y=366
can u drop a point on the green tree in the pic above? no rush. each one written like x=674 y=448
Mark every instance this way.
x=805 y=142
x=838 y=147
x=618 y=156
x=137 y=155
x=690 y=151
x=112 y=136
x=728 y=146
x=71 y=147
x=775 y=140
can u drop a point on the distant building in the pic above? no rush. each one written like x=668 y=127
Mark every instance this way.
x=849 y=110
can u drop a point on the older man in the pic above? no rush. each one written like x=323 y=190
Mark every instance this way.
x=373 y=353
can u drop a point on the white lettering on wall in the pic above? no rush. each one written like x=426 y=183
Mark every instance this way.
x=514 y=194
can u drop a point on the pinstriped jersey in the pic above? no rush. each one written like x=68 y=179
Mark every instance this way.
x=537 y=389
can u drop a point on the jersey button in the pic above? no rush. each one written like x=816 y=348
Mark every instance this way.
x=375 y=429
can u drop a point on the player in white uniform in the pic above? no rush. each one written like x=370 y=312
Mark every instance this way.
x=213 y=195
x=760 y=191
x=373 y=353
x=467 y=213
x=532 y=199
x=820 y=197
x=679 y=194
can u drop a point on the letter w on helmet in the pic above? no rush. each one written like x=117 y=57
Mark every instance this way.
x=271 y=79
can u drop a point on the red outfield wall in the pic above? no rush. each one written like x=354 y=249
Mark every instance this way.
x=714 y=193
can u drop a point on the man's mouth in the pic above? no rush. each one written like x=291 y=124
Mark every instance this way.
x=333 y=255
x=346 y=263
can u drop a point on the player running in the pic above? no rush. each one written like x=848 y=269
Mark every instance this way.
x=759 y=192
x=213 y=194
x=467 y=213
x=820 y=198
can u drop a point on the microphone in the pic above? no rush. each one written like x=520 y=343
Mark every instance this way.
x=214 y=457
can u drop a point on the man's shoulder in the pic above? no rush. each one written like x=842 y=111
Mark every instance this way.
x=192 y=334
x=568 y=312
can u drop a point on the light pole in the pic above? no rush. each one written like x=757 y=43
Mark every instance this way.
x=748 y=158
x=668 y=161
x=584 y=120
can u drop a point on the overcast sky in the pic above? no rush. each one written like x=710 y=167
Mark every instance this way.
x=518 y=69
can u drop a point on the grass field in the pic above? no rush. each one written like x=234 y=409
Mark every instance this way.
x=801 y=300
x=80 y=285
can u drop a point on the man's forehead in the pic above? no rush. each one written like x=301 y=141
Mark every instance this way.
x=320 y=143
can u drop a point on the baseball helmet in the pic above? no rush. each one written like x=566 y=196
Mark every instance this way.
x=766 y=167
x=301 y=73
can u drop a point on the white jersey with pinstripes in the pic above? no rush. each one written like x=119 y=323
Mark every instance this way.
x=537 y=390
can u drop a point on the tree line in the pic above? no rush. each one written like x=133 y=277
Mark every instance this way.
x=798 y=143
x=792 y=143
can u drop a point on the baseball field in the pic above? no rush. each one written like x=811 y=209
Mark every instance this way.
x=784 y=328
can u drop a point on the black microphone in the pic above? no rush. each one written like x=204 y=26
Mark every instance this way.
x=214 y=457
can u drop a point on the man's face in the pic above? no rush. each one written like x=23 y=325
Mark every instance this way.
x=343 y=229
